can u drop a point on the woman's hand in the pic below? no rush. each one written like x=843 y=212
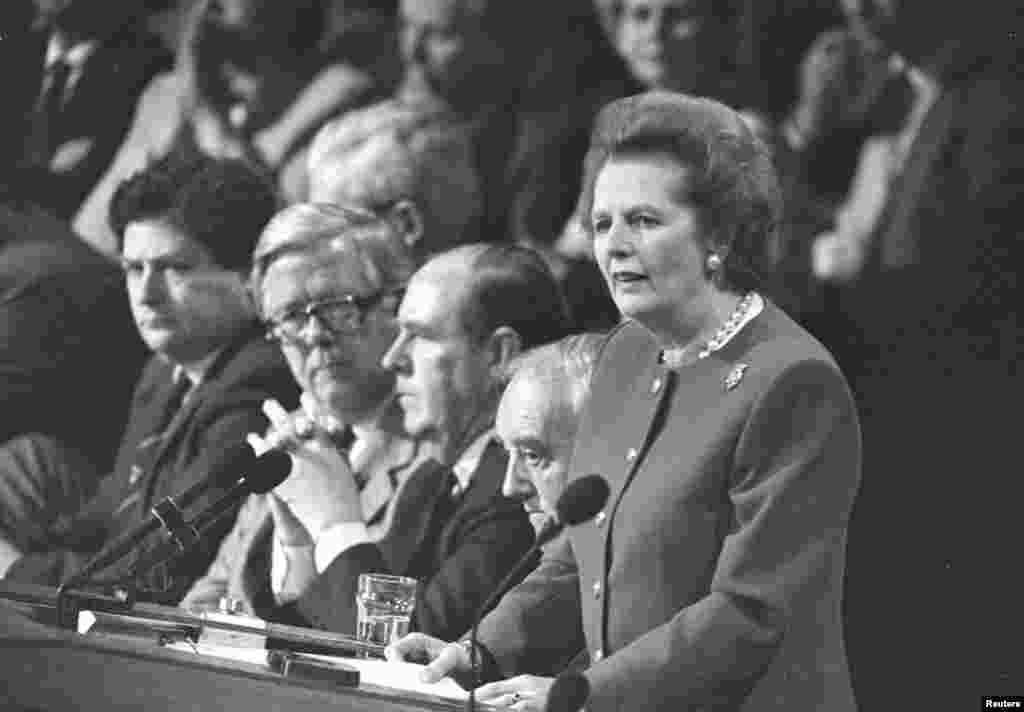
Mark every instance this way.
x=442 y=659
x=525 y=692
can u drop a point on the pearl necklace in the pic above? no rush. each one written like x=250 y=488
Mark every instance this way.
x=746 y=309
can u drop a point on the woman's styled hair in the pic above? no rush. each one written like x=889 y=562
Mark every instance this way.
x=312 y=228
x=730 y=179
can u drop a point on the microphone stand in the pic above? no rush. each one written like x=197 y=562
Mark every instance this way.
x=548 y=532
x=167 y=513
x=579 y=503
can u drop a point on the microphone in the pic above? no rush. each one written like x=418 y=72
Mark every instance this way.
x=168 y=512
x=580 y=502
x=582 y=499
x=267 y=472
x=568 y=693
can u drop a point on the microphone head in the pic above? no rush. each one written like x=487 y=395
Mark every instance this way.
x=268 y=471
x=568 y=693
x=231 y=464
x=582 y=499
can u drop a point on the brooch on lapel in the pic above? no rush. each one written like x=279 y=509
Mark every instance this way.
x=733 y=378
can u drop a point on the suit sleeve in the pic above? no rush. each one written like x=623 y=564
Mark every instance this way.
x=536 y=627
x=795 y=473
x=206 y=592
x=490 y=540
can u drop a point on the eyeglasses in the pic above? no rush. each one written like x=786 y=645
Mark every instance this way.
x=342 y=316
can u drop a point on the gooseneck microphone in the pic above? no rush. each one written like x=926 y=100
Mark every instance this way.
x=267 y=472
x=168 y=512
x=568 y=693
x=582 y=499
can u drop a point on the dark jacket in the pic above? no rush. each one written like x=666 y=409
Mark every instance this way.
x=70 y=354
x=458 y=559
x=96 y=115
x=222 y=410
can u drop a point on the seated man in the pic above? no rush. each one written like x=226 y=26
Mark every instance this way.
x=466 y=313
x=186 y=231
x=538 y=416
x=347 y=267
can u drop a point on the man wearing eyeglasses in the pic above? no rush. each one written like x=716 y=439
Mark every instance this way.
x=327 y=280
x=187 y=228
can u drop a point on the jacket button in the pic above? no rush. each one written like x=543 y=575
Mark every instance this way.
x=597 y=589
x=655 y=386
x=599 y=519
x=598 y=655
x=631 y=454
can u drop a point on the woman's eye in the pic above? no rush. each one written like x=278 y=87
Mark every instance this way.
x=645 y=221
x=601 y=225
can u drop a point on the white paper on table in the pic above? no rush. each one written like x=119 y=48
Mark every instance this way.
x=396 y=676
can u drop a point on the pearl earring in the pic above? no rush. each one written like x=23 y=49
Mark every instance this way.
x=714 y=262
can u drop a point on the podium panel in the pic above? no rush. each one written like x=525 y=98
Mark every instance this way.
x=46 y=669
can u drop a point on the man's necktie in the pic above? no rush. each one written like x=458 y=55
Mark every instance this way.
x=42 y=141
x=149 y=447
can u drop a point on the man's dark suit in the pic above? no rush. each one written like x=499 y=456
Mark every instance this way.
x=219 y=413
x=458 y=557
x=95 y=116
x=69 y=350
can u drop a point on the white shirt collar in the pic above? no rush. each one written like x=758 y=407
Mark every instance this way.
x=470 y=458
x=197 y=370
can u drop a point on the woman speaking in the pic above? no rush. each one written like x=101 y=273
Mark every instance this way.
x=713 y=578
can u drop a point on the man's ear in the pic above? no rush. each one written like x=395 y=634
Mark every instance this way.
x=503 y=346
x=409 y=220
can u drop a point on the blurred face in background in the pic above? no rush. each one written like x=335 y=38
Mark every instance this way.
x=185 y=305
x=445 y=48
x=334 y=353
x=667 y=43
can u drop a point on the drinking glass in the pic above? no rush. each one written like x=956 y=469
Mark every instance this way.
x=384 y=604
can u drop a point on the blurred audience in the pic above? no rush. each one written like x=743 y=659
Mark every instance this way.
x=410 y=162
x=933 y=327
x=77 y=68
x=186 y=231
x=252 y=80
x=531 y=103
x=681 y=45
